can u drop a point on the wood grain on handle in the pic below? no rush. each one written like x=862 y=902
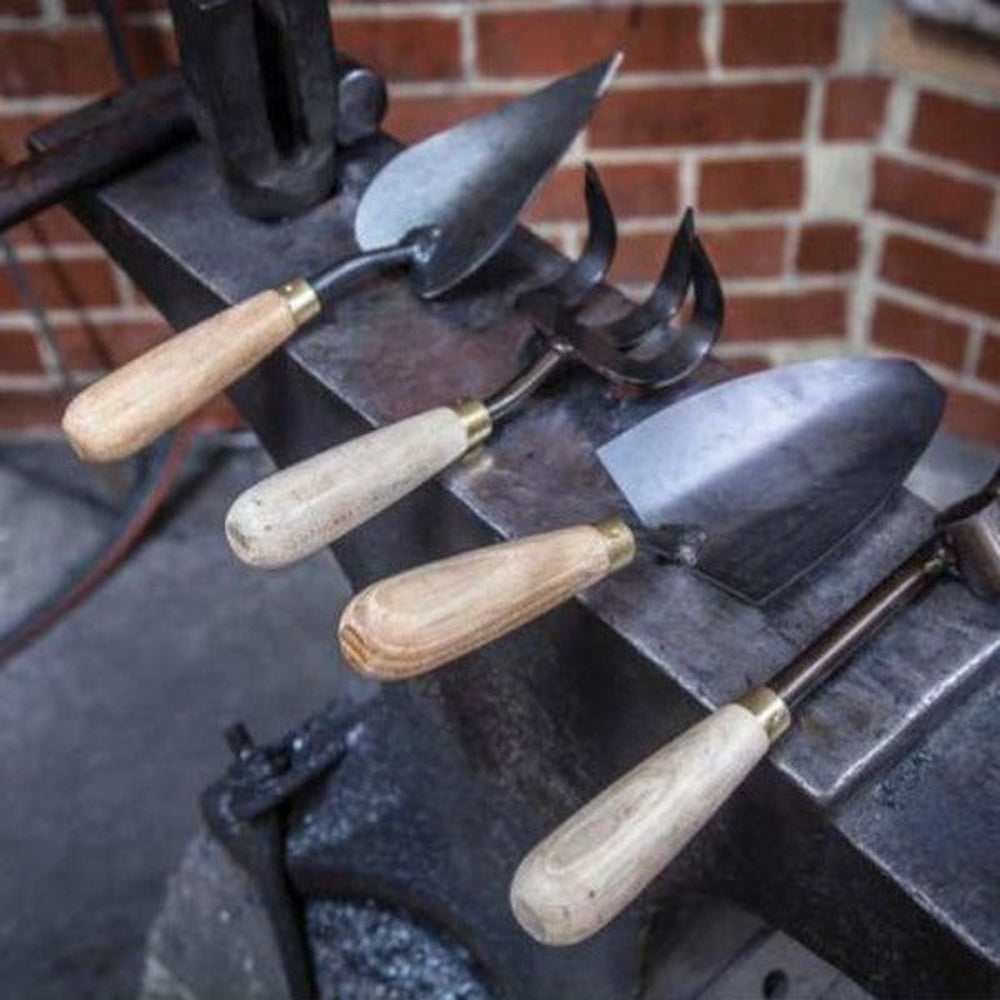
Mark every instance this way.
x=408 y=624
x=586 y=872
x=305 y=507
x=128 y=409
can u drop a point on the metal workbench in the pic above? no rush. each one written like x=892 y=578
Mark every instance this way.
x=871 y=834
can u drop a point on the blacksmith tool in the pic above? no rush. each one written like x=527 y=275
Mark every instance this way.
x=123 y=130
x=313 y=503
x=441 y=208
x=262 y=77
x=582 y=875
x=751 y=481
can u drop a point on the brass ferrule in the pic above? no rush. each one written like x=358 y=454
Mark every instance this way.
x=620 y=541
x=476 y=419
x=768 y=709
x=302 y=301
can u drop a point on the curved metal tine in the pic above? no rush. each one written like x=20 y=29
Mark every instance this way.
x=665 y=354
x=667 y=295
x=586 y=273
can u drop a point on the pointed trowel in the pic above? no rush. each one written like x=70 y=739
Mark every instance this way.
x=753 y=481
x=440 y=208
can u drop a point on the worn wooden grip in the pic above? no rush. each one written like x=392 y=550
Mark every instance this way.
x=129 y=408
x=310 y=504
x=408 y=624
x=586 y=872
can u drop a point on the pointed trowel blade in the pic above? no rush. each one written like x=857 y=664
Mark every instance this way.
x=474 y=180
x=778 y=467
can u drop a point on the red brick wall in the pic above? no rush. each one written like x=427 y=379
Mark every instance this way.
x=848 y=208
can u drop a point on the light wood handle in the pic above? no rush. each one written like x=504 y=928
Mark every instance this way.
x=586 y=872
x=299 y=510
x=131 y=407
x=413 y=622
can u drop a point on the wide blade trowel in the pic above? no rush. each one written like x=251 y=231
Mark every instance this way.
x=752 y=481
x=441 y=208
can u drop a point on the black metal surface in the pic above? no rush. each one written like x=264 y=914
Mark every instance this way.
x=247 y=812
x=262 y=78
x=514 y=738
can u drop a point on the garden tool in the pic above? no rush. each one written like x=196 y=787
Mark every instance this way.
x=582 y=875
x=309 y=505
x=441 y=208
x=751 y=482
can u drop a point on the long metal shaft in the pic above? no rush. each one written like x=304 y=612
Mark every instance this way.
x=515 y=392
x=836 y=645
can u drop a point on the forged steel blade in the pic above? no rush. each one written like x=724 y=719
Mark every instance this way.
x=473 y=180
x=777 y=468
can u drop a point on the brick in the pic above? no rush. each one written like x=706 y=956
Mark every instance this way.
x=907 y=331
x=217 y=414
x=74 y=60
x=639 y=257
x=747 y=364
x=404 y=48
x=93 y=347
x=974 y=416
x=972 y=282
x=54 y=225
x=19 y=354
x=780 y=34
x=746 y=251
x=128 y=6
x=152 y=50
x=635 y=190
x=989 y=360
x=21 y=411
x=828 y=248
x=14 y=132
x=750 y=184
x=698 y=114
x=957 y=130
x=854 y=107
x=932 y=199
x=414 y=118
x=786 y=316
x=55 y=61
x=544 y=42
x=63 y=284
x=21 y=8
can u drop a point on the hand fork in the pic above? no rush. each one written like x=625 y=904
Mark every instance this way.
x=307 y=506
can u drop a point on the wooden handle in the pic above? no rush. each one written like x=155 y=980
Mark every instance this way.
x=299 y=510
x=586 y=872
x=128 y=409
x=411 y=623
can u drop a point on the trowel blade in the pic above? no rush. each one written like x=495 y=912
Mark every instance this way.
x=474 y=179
x=777 y=467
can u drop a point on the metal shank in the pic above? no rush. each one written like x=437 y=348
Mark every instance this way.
x=332 y=282
x=835 y=646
